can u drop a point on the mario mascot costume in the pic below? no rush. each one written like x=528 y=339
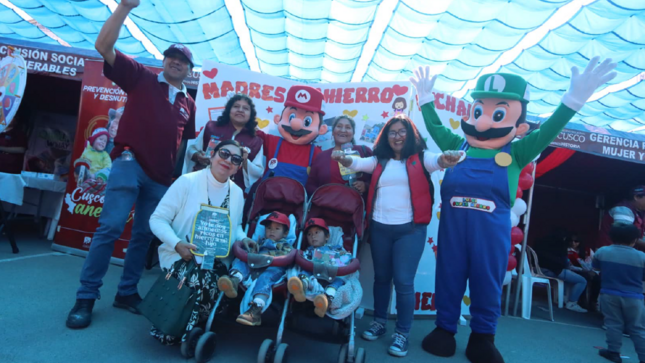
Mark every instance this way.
x=299 y=124
x=478 y=193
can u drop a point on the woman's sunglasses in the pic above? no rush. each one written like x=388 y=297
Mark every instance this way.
x=225 y=154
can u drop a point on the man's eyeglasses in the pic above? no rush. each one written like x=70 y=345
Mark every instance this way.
x=225 y=154
x=402 y=133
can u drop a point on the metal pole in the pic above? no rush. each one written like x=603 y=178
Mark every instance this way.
x=527 y=222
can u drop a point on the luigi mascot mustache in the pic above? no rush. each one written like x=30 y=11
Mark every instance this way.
x=474 y=240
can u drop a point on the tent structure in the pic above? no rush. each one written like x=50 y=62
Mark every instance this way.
x=378 y=40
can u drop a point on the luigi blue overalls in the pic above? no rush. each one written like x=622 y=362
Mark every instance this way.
x=297 y=172
x=474 y=198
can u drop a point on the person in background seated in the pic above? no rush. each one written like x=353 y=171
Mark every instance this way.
x=274 y=243
x=580 y=263
x=635 y=202
x=621 y=296
x=237 y=122
x=399 y=208
x=552 y=257
x=317 y=236
x=13 y=145
x=324 y=170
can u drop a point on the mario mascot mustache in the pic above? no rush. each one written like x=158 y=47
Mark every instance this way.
x=293 y=132
x=491 y=133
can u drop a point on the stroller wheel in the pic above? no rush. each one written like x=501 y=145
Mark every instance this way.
x=360 y=356
x=342 y=354
x=205 y=347
x=281 y=353
x=266 y=351
x=188 y=347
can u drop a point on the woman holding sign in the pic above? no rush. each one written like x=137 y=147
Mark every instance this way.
x=324 y=170
x=399 y=207
x=237 y=122
x=191 y=209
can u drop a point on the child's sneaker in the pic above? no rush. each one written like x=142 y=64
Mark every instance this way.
x=321 y=303
x=252 y=317
x=399 y=347
x=573 y=306
x=609 y=355
x=375 y=331
x=228 y=285
x=297 y=288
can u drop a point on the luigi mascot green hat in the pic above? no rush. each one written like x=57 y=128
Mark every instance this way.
x=477 y=254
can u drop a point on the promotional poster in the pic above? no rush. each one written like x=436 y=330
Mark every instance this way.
x=98 y=121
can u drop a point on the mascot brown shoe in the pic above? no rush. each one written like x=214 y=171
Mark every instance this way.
x=481 y=349
x=440 y=342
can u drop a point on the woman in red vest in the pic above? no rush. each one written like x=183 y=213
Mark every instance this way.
x=237 y=122
x=399 y=207
x=324 y=170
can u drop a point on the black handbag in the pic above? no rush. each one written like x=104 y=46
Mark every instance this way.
x=170 y=302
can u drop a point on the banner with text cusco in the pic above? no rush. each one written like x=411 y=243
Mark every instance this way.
x=100 y=112
x=370 y=105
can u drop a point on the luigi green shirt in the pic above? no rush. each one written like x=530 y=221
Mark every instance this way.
x=522 y=151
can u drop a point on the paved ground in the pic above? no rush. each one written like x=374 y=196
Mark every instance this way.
x=38 y=288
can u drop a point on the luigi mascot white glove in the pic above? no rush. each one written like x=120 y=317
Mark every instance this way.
x=477 y=196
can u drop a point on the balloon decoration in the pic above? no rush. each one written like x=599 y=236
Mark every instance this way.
x=526 y=181
x=519 y=209
x=517 y=236
x=512 y=263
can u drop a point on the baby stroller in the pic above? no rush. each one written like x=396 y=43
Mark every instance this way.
x=274 y=194
x=340 y=206
x=287 y=196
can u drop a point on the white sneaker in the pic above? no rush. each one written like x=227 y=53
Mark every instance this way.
x=573 y=306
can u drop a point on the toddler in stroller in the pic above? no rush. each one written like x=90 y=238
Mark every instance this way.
x=323 y=254
x=273 y=243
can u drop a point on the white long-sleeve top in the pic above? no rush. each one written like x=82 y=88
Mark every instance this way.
x=173 y=219
x=254 y=168
x=393 y=205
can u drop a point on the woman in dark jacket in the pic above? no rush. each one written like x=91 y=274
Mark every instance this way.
x=324 y=170
x=554 y=262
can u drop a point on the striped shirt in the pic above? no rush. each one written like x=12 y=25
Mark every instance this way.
x=622 y=270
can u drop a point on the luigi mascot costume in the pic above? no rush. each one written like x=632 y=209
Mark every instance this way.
x=478 y=193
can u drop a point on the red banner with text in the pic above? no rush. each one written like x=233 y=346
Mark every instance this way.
x=100 y=111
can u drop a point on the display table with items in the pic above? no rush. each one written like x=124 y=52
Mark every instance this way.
x=32 y=194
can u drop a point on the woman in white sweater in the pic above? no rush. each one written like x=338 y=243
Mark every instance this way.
x=399 y=208
x=173 y=219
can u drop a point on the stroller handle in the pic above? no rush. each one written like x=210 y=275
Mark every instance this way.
x=308 y=266
x=280 y=261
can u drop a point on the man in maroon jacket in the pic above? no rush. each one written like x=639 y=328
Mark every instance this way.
x=158 y=115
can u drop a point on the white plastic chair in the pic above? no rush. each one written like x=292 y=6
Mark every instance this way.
x=530 y=276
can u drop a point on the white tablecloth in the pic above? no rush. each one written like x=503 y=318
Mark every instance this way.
x=44 y=184
x=12 y=188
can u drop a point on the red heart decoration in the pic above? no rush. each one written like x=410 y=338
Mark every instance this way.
x=211 y=73
x=399 y=90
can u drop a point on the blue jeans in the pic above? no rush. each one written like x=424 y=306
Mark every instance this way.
x=128 y=184
x=335 y=283
x=267 y=278
x=396 y=252
x=579 y=283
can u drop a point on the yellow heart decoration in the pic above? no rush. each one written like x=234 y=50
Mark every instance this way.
x=350 y=113
x=262 y=123
x=438 y=215
x=466 y=300
x=454 y=124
